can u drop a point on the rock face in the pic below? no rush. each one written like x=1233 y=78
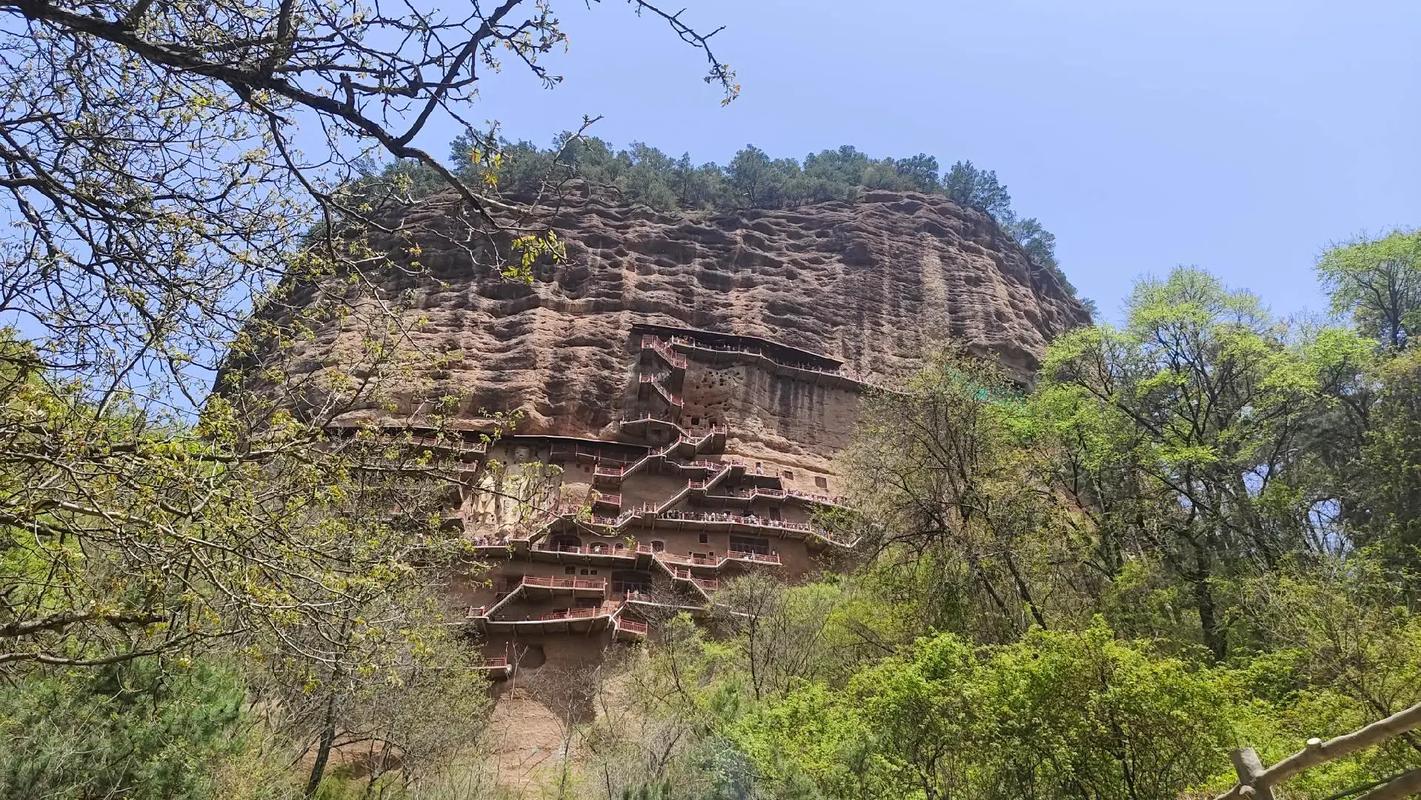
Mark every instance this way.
x=867 y=282
x=692 y=381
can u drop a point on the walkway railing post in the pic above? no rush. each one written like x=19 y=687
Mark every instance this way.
x=1256 y=782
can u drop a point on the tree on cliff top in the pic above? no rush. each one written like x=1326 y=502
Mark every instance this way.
x=751 y=179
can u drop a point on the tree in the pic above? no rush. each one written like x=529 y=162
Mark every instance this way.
x=193 y=189
x=1039 y=243
x=380 y=673
x=1191 y=532
x=145 y=728
x=921 y=171
x=649 y=179
x=125 y=539
x=758 y=181
x=644 y=174
x=964 y=183
x=1072 y=714
x=1343 y=623
x=1206 y=404
x=1377 y=282
x=1384 y=492
x=779 y=631
x=980 y=189
x=570 y=692
x=680 y=694
x=939 y=486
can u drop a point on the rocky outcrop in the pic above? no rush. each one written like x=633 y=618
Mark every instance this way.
x=867 y=282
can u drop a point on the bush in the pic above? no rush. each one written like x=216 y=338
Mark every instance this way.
x=138 y=729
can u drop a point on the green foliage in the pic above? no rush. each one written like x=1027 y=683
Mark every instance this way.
x=980 y=189
x=1377 y=282
x=1342 y=651
x=141 y=729
x=752 y=179
x=948 y=500
x=1184 y=434
x=310 y=560
x=1387 y=482
x=1054 y=715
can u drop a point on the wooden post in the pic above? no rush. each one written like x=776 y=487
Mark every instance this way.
x=1251 y=772
x=1406 y=785
x=1249 y=767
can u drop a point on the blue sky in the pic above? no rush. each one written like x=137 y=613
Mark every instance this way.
x=1238 y=136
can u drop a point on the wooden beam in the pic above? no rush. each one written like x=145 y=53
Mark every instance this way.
x=1318 y=752
x=1404 y=786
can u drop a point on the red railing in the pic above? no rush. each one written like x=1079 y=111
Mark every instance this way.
x=713 y=561
x=639 y=596
x=663 y=349
x=684 y=574
x=764 y=558
x=586 y=550
x=623 y=470
x=497 y=662
x=735 y=519
x=706 y=482
x=838 y=372
x=621 y=519
x=747 y=494
x=550 y=582
x=667 y=395
x=647 y=416
x=573 y=613
x=665 y=602
x=560 y=452
x=699 y=436
x=656 y=382
x=633 y=626
x=457 y=445
x=817 y=498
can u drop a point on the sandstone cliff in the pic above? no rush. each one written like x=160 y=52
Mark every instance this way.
x=867 y=282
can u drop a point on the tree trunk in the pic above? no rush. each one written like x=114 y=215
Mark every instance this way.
x=1204 y=599
x=323 y=748
x=1022 y=590
x=976 y=566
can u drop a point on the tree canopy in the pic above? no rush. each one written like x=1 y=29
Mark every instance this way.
x=751 y=179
